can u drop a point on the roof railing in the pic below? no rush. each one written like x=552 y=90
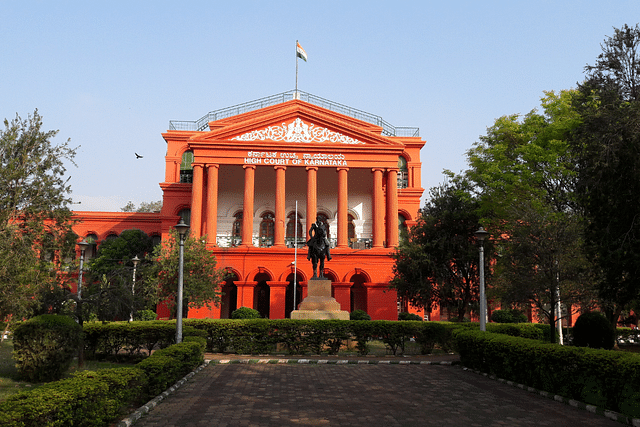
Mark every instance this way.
x=203 y=123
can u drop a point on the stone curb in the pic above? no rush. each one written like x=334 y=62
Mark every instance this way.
x=331 y=362
x=146 y=408
x=615 y=416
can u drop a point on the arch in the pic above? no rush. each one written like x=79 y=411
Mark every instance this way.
x=290 y=231
x=359 y=292
x=405 y=213
x=356 y=271
x=262 y=292
x=289 y=304
x=236 y=228
x=267 y=229
x=330 y=274
x=260 y=272
x=229 y=297
x=289 y=271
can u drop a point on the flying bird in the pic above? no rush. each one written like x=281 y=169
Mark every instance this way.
x=138 y=156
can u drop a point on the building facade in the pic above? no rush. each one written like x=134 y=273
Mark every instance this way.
x=251 y=179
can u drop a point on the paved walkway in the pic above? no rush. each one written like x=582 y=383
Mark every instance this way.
x=373 y=393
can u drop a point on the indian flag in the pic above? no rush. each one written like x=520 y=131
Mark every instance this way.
x=300 y=53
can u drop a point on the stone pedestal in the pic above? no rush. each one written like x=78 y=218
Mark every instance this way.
x=319 y=304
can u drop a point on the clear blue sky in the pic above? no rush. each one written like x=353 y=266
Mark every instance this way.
x=111 y=74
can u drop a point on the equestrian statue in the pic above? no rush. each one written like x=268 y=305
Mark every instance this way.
x=318 y=247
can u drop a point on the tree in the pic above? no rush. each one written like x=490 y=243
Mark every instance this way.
x=35 y=228
x=607 y=148
x=439 y=261
x=525 y=175
x=144 y=207
x=110 y=291
x=202 y=279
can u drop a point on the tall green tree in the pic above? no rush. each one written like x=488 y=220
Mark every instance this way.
x=35 y=227
x=607 y=148
x=438 y=263
x=111 y=293
x=202 y=278
x=525 y=175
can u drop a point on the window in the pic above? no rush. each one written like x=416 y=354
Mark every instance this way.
x=403 y=173
x=185 y=214
x=92 y=249
x=267 y=228
x=351 y=227
x=236 y=230
x=186 y=169
x=403 y=231
x=292 y=224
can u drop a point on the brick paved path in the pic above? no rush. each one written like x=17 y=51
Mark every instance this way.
x=357 y=395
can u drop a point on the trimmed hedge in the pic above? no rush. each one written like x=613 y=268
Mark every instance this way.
x=44 y=347
x=98 y=398
x=608 y=379
x=86 y=399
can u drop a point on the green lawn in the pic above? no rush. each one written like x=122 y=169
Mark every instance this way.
x=9 y=383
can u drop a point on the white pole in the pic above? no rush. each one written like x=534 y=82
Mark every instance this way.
x=296 y=94
x=295 y=255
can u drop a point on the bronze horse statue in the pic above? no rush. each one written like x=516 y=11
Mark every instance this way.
x=318 y=247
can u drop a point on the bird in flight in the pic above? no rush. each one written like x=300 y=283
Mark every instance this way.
x=138 y=156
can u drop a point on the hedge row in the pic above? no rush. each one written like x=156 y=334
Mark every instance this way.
x=607 y=379
x=98 y=398
x=318 y=336
x=130 y=338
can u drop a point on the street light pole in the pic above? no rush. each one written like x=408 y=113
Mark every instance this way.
x=182 y=229
x=135 y=260
x=83 y=247
x=480 y=235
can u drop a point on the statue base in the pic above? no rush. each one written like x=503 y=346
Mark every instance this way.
x=319 y=304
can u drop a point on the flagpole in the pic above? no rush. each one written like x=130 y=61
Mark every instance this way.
x=295 y=253
x=296 y=95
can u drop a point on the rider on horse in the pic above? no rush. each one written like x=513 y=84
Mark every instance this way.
x=318 y=245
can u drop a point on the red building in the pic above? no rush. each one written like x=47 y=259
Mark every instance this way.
x=251 y=178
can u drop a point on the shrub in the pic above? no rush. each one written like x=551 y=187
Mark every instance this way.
x=145 y=315
x=44 y=346
x=245 y=313
x=409 y=316
x=508 y=316
x=593 y=330
x=359 y=315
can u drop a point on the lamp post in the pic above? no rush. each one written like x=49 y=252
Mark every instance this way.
x=135 y=260
x=481 y=234
x=182 y=229
x=83 y=247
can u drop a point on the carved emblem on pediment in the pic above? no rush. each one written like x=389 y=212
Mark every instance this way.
x=297 y=131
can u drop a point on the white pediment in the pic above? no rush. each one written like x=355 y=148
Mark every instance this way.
x=297 y=131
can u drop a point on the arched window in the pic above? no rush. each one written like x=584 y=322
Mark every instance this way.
x=291 y=228
x=185 y=214
x=92 y=249
x=236 y=230
x=403 y=231
x=267 y=228
x=351 y=228
x=403 y=173
x=48 y=252
x=186 y=169
x=111 y=236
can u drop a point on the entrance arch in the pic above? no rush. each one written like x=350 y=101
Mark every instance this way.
x=358 y=292
x=229 y=300
x=262 y=295
x=289 y=305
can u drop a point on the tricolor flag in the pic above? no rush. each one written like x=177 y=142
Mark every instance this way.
x=300 y=53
